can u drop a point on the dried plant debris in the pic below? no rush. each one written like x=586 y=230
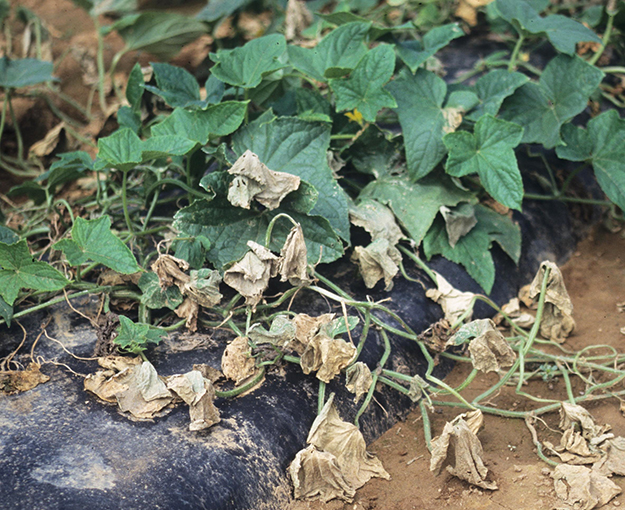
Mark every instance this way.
x=467 y=10
x=254 y=181
x=250 y=275
x=280 y=334
x=583 y=488
x=377 y=219
x=454 y=302
x=459 y=220
x=358 y=379
x=199 y=394
x=18 y=381
x=236 y=361
x=489 y=350
x=573 y=414
x=557 y=321
x=171 y=271
x=574 y=449
x=203 y=287
x=514 y=312
x=344 y=466
x=378 y=260
x=327 y=355
x=297 y=18
x=189 y=310
x=306 y=327
x=293 y=264
x=417 y=386
x=459 y=438
x=436 y=337
x=613 y=460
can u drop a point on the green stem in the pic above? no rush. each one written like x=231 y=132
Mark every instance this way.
x=18 y=133
x=427 y=429
x=242 y=389
x=321 y=397
x=515 y=53
x=125 y=202
x=272 y=223
x=567 y=382
x=3 y=117
x=363 y=335
x=590 y=201
x=571 y=176
x=606 y=38
x=422 y=265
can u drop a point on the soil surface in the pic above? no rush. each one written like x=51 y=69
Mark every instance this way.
x=595 y=279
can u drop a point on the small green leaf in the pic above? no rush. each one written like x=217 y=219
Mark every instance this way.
x=198 y=125
x=490 y=154
x=373 y=153
x=121 y=150
x=338 y=52
x=561 y=93
x=69 y=167
x=20 y=271
x=6 y=311
x=493 y=88
x=363 y=90
x=245 y=66
x=416 y=204
x=165 y=145
x=217 y=9
x=127 y=118
x=176 y=86
x=135 y=88
x=7 y=236
x=215 y=90
x=92 y=240
x=154 y=297
x=24 y=72
x=602 y=143
x=415 y=53
x=310 y=101
x=135 y=337
x=33 y=190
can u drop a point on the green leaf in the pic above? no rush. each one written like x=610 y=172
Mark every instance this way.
x=135 y=337
x=415 y=53
x=373 y=153
x=245 y=66
x=92 y=240
x=564 y=33
x=375 y=32
x=416 y=204
x=562 y=92
x=489 y=152
x=420 y=100
x=215 y=90
x=135 y=88
x=338 y=52
x=501 y=230
x=127 y=118
x=6 y=311
x=33 y=190
x=20 y=271
x=198 y=125
x=217 y=9
x=363 y=90
x=69 y=167
x=24 y=72
x=192 y=250
x=299 y=147
x=602 y=143
x=165 y=145
x=154 y=297
x=175 y=85
x=310 y=101
x=163 y=34
x=229 y=228
x=121 y=150
x=493 y=88
x=7 y=236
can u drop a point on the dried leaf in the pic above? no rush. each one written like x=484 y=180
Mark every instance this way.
x=188 y=310
x=343 y=440
x=458 y=221
x=557 y=322
x=571 y=414
x=437 y=336
x=490 y=351
x=376 y=261
x=254 y=181
x=145 y=394
x=358 y=379
x=453 y=119
x=250 y=275
x=467 y=10
x=467 y=450
x=280 y=334
x=293 y=264
x=297 y=18
x=454 y=302
x=119 y=363
x=327 y=355
x=203 y=413
x=170 y=271
x=317 y=475
x=208 y=372
x=573 y=449
x=189 y=387
x=49 y=143
x=613 y=462
x=236 y=361
x=513 y=310
x=583 y=488
x=377 y=219
x=17 y=381
x=203 y=287
x=306 y=327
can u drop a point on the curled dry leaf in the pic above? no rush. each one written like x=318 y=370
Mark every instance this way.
x=189 y=310
x=328 y=356
x=583 y=488
x=293 y=264
x=49 y=143
x=254 y=181
x=236 y=362
x=306 y=327
x=437 y=336
x=513 y=310
x=377 y=219
x=358 y=379
x=574 y=449
x=467 y=10
x=467 y=450
x=21 y=380
x=378 y=260
x=171 y=271
x=454 y=302
x=189 y=387
x=280 y=334
x=557 y=322
x=297 y=18
x=489 y=350
x=453 y=119
x=459 y=221
x=572 y=414
x=203 y=287
x=613 y=460
x=203 y=413
x=250 y=275
x=417 y=386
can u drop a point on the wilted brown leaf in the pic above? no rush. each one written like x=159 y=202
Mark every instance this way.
x=189 y=310
x=254 y=181
x=467 y=10
x=189 y=387
x=572 y=414
x=203 y=412
x=454 y=302
x=583 y=488
x=453 y=119
x=280 y=334
x=489 y=350
x=306 y=327
x=458 y=221
x=613 y=460
x=358 y=379
x=236 y=363
x=17 y=381
x=376 y=261
x=293 y=264
x=513 y=310
x=170 y=271
x=327 y=356
x=49 y=143
x=377 y=219
x=203 y=287
x=557 y=321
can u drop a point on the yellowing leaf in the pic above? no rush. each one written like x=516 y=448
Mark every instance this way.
x=467 y=10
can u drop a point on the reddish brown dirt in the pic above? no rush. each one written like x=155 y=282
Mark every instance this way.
x=595 y=278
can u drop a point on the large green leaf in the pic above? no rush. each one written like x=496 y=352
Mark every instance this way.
x=414 y=53
x=135 y=88
x=420 y=100
x=363 y=90
x=562 y=92
x=217 y=9
x=564 y=33
x=472 y=249
x=245 y=66
x=92 y=240
x=20 y=271
x=489 y=152
x=493 y=88
x=602 y=143
x=24 y=72
x=163 y=34
x=217 y=120
x=416 y=204
x=298 y=147
x=121 y=150
x=175 y=85
x=337 y=54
